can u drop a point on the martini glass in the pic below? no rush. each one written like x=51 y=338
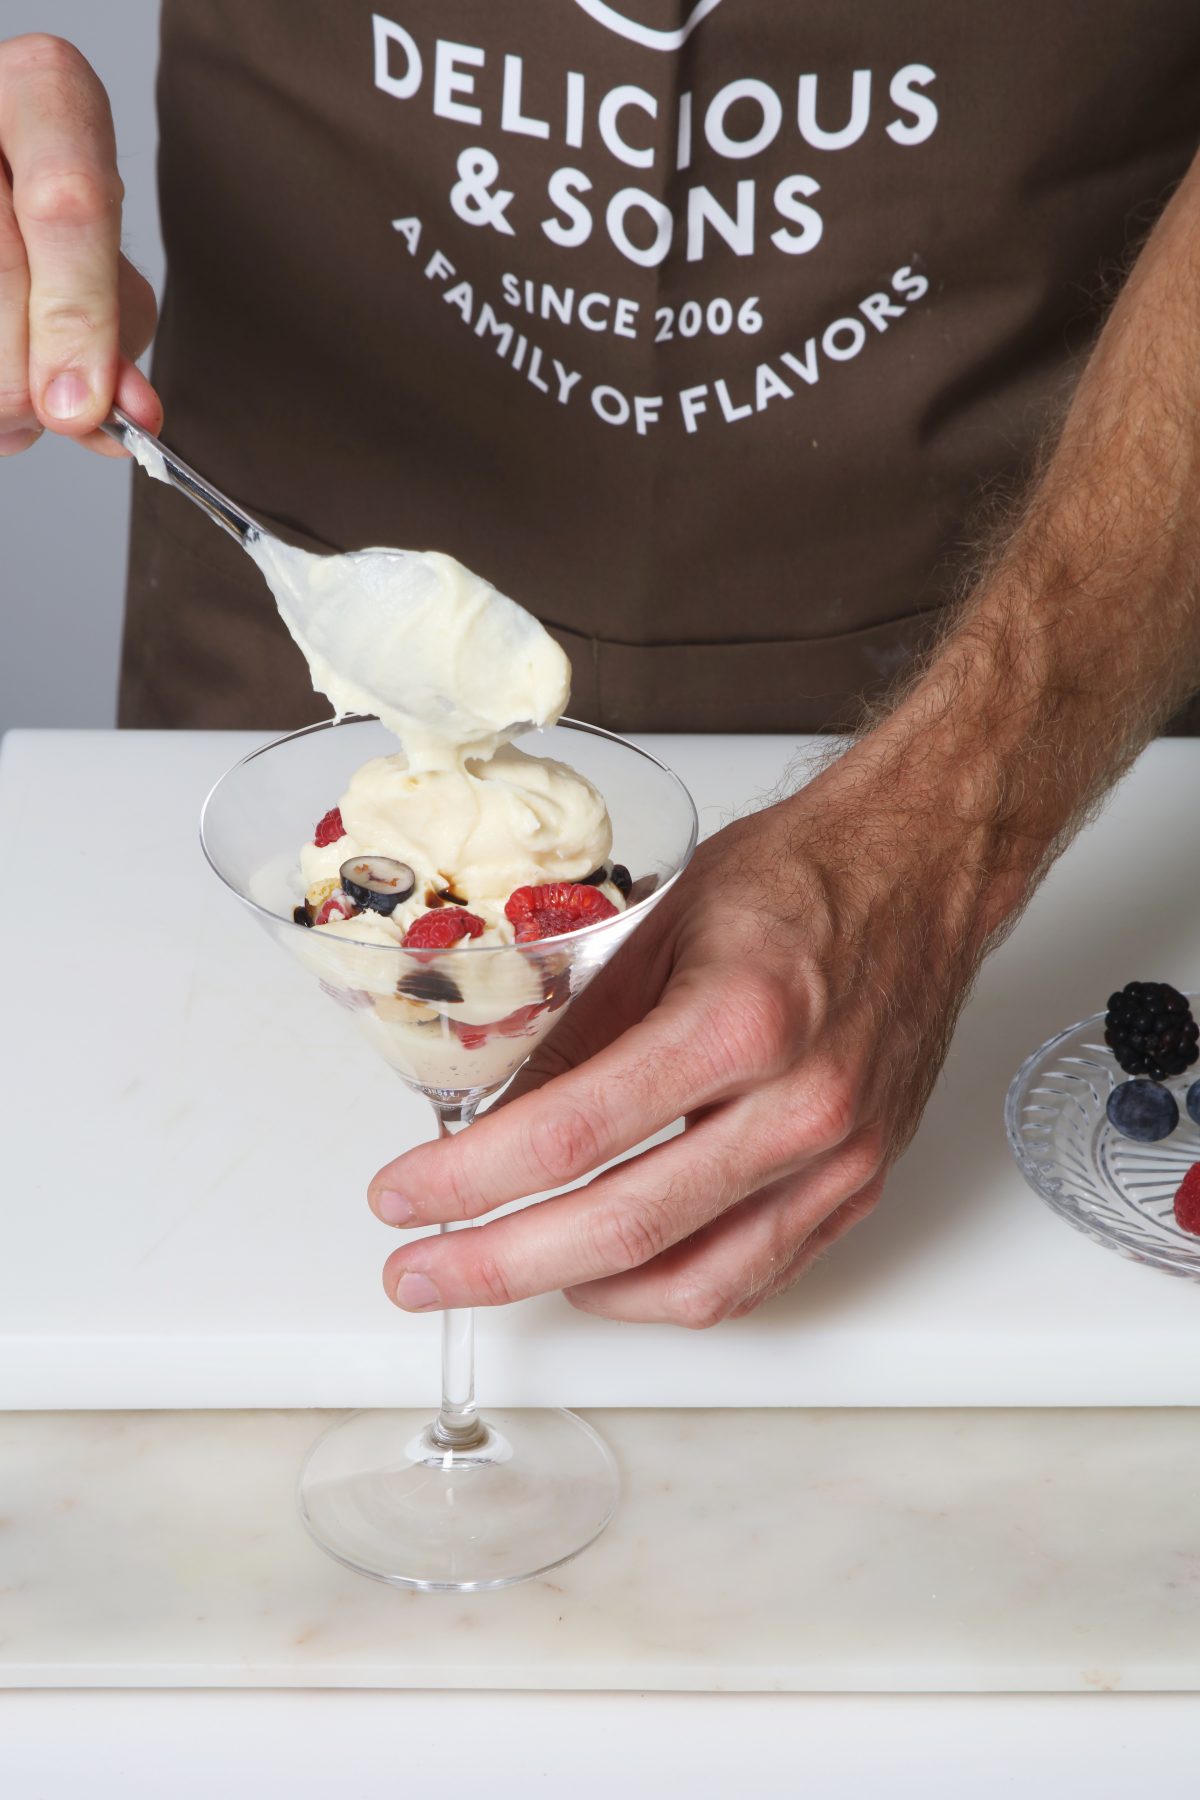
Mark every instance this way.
x=458 y=1501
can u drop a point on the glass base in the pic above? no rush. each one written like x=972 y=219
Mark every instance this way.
x=380 y=1496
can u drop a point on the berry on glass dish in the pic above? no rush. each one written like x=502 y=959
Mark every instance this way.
x=1187 y=1202
x=1142 y=1110
x=1150 y=1030
x=1153 y=1036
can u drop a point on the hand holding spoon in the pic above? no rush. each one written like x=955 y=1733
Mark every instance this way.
x=163 y=464
x=451 y=665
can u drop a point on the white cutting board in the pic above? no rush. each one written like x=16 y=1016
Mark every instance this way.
x=187 y=1130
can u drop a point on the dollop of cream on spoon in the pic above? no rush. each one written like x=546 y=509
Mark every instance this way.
x=440 y=656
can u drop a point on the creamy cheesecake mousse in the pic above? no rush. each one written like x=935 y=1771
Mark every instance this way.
x=456 y=841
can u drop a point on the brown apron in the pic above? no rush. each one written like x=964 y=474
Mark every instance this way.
x=700 y=328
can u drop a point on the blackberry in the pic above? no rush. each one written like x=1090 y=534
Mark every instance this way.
x=1150 y=1030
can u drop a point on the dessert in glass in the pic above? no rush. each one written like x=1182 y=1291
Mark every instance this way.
x=454 y=896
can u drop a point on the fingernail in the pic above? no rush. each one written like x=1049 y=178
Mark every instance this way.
x=394 y=1209
x=11 y=442
x=67 y=396
x=416 y=1293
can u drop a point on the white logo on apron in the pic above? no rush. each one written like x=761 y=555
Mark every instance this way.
x=646 y=35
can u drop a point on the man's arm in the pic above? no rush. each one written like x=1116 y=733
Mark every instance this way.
x=1084 y=637
x=803 y=978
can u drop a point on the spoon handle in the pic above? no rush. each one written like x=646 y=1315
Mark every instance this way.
x=159 y=461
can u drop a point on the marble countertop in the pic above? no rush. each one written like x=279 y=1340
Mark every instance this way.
x=850 y=1551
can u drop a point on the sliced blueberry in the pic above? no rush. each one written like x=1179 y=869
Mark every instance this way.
x=1142 y=1110
x=431 y=986
x=1192 y=1102
x=377 y=882
x=300 y=916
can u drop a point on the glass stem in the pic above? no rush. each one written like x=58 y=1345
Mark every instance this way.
x=458 y=1425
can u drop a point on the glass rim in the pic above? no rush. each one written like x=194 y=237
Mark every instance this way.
x=539 y=945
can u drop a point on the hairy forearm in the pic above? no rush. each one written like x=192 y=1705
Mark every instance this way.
x=1084 y=634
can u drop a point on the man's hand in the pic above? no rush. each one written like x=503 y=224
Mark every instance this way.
x=800 y=983
x=74 y=314
x=798 y=988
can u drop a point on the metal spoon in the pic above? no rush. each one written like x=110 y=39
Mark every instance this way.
x=171 y=468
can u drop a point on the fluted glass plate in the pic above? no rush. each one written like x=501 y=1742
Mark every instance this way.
x=1119 y=1192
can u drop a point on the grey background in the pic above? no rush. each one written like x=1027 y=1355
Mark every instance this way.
x=64 y=513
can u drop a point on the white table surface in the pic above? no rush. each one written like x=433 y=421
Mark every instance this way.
x=371 y=1746
x=182 y=1228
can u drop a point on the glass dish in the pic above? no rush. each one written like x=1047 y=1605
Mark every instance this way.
x=1119 y=1192
x=460 y=1500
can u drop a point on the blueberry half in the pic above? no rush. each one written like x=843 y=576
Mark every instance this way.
x=378 y=882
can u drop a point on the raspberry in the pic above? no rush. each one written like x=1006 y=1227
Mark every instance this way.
x=329 y=829
x=438 y=930
x=337 y=906
x=518 y=1023
x=471 y=1037
x=554 y=908
x=1187 y=1202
